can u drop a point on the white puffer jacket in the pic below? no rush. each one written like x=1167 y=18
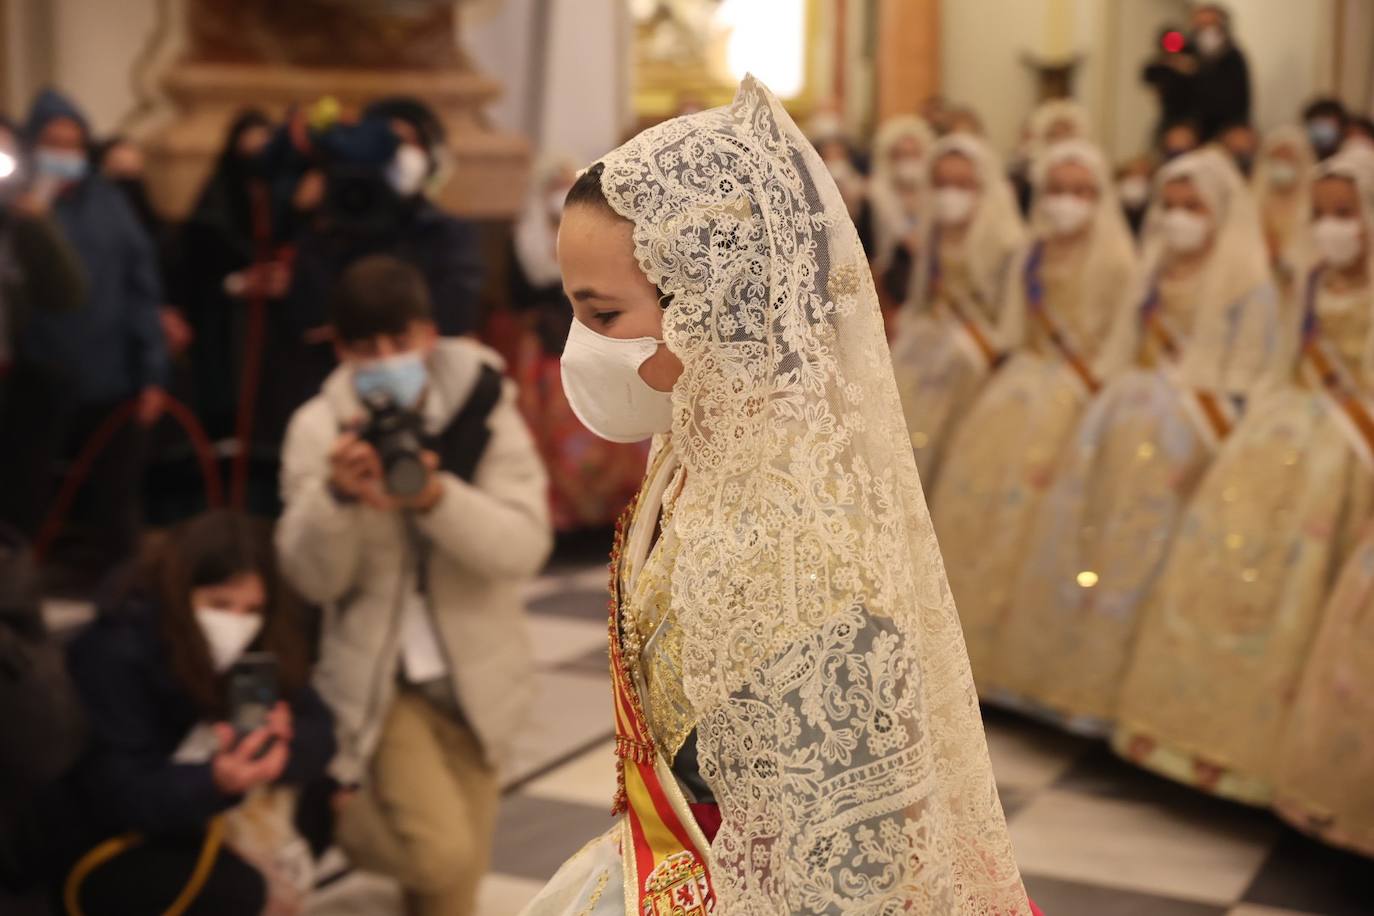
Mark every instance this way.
x=487 y=538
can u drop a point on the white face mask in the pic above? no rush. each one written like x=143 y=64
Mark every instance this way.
x=1282 y=174
x=1185 y=232
x=1338 y=240
x=1066 y=213
x=907 y=171
x=954 y=206
x=1211 y=41
x=1134 y=191
x=407 y=171
x=227 y=634
x=601 y=380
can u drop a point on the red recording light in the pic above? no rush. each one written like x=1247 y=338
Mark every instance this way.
x=1173 y=42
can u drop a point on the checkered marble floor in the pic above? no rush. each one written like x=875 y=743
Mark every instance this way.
x=1094 y=836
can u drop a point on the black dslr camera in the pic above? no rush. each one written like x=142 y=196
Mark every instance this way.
x=398 y=436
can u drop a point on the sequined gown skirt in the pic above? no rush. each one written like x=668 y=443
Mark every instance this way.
x=1226 y=633
x=1095 y=548
x=591 y=883
x=939 y=372
x=997 y=468
x=1325 y=781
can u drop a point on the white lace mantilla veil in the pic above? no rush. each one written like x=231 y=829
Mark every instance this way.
x=838 y=726
x=995 y=232
x=1110 y=281
x=1235 y=337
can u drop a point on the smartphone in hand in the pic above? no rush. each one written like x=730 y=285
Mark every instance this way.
x=253 y=691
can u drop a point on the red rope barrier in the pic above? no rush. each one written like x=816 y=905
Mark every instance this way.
x=99 y=440
x=252 y=345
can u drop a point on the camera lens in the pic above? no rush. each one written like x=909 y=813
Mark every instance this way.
x=406 y=475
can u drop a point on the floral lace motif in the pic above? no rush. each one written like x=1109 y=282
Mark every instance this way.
x=821 y=651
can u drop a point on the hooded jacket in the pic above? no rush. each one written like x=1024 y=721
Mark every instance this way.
x=112 y=347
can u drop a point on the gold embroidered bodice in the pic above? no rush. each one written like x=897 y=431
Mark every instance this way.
x=1064 y=303
x=1345 y=321
x=650 y=631
x=956 y=282
x=1177 y=309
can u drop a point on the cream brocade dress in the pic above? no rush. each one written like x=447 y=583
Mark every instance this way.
x=1002 y=458
x=1225 y=635
x=1325 y=781
x=938 y=367
x=1098 y=540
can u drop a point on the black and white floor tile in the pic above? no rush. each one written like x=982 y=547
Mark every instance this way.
x=1094 y=836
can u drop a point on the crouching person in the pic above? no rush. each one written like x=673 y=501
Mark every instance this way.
x=415 y=508
x=204 y=734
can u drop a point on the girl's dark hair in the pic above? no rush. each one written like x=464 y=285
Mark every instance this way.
x=586 y=190
x=211 y=549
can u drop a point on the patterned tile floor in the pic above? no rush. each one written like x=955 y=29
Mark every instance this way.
x=1094 y=836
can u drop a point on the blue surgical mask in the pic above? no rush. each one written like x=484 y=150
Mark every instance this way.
x=1325 y=135
x=62 y=164
x=399 y=379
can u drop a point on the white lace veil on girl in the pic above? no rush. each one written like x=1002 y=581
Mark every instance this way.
x=837 y=721
x=994 y=233
x=1235 y=336
x=1109 y=263
x=890 y=222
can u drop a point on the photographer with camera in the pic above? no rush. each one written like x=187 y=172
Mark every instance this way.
x=196 y=687
x=379 y=176
x=1202 y=75
x=416 y=507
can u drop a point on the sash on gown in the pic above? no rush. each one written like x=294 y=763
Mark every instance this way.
x=665 y=870
x=1212 y=416
x=1035 y=304
x=1337 y=384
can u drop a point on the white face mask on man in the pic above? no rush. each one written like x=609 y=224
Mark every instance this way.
x=227 y=633
x=603 y=386
x=1339 y=241
x=1185 y=232
x=408 y=169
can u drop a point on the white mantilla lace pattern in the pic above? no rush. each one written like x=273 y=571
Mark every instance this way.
x=837 y=721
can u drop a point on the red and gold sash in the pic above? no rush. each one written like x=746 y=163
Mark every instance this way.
x=665 y=871
x=1337 y=381
x=1213 y=411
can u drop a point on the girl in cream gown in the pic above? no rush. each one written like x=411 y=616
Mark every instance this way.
x=892 y=217
x=1203 y=332
x=797 y=729
x=1076 y=275
x=946 y=342
x=1226 y=632
x=1282 y=185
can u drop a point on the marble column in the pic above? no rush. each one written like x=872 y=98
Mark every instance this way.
x=271 y=54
